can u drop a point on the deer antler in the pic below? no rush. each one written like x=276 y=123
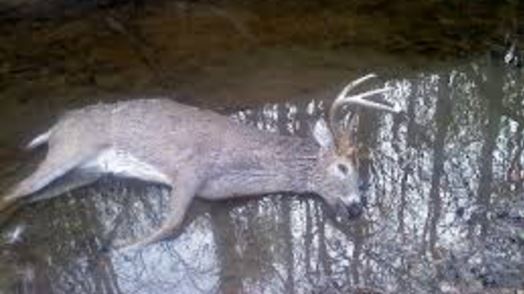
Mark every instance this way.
x=357 y=99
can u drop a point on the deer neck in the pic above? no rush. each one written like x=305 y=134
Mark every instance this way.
x=290 y=163
x=265 y=165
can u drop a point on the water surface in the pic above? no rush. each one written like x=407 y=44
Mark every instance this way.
x=443 y=181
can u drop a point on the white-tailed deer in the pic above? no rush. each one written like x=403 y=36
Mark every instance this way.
x=198 y=153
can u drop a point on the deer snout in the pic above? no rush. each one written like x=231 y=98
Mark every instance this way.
x=344 y=212
x=348 y=208
x=355 y=209
x=353 y=205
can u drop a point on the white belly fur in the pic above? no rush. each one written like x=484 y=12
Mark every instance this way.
x=124 y=164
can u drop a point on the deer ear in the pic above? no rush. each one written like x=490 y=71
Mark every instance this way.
x=323 y=135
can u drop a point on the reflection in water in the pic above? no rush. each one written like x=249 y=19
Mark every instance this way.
x=444 y=211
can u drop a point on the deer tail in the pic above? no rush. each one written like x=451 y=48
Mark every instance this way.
x=39 y=140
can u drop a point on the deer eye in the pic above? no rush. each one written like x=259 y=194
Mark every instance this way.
x=342 y=168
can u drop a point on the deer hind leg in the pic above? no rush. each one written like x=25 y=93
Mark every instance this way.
x=182 y=194
x=57 y=163
x=70 y=181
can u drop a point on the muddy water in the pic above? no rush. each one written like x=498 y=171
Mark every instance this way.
x=443 y=181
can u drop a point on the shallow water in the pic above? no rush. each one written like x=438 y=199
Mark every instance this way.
x=443 y=181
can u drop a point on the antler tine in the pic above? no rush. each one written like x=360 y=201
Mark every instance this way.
x=342 y=96
x=358 y=99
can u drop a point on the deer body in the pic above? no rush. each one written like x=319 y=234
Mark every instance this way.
x=197 y=153
x=227 y=158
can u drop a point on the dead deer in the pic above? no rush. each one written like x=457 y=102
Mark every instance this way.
x=197 y=153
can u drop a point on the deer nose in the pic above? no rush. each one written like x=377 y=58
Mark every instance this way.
x=355 y=210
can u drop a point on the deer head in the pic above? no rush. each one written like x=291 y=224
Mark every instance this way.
x=336 y=176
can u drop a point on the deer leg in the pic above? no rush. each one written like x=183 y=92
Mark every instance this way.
x=72 y=180
x=185 y=188
x=55 y=165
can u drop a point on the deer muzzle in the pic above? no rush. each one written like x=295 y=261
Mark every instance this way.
x=355 y=210
x=345 y=210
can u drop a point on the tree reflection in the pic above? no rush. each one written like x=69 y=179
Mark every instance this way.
x=444 y=210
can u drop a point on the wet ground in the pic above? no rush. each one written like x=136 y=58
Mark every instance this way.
x=443 y=181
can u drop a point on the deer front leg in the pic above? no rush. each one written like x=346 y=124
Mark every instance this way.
x=184 y=188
